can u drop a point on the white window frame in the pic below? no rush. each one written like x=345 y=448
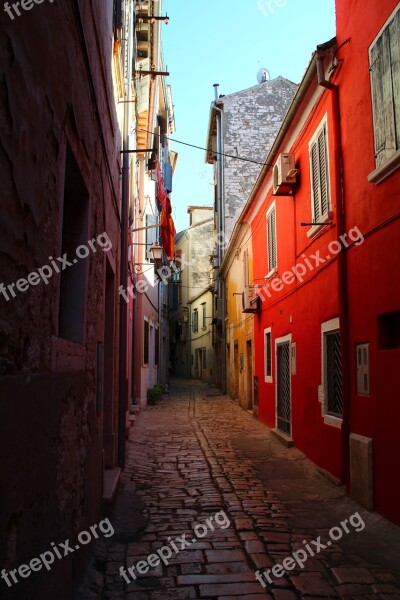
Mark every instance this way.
x=279 y=342
x=267 y=378
x=272 y=269
x=323 y=218
x=327 y=327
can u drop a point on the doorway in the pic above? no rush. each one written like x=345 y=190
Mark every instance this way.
x=283 y=386
x=249 y=358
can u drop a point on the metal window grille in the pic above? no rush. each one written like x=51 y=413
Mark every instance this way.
x=333 y=365
x=283 y=385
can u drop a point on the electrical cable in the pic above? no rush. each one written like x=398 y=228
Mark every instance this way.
x=249 y=160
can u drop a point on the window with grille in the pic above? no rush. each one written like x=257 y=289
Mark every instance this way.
x=195 y=320
x=384 y=57
x=333 y=374
x=271 y=239
x=319 y=165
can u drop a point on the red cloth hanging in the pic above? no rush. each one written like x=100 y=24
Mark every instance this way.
x=168 y=232
x=162 y=192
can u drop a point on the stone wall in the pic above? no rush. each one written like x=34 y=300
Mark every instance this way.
x=50 y=431
x=252 y=120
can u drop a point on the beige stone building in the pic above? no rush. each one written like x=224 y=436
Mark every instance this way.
x=192 y=328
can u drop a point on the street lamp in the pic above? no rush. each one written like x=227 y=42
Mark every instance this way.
x=156 y=252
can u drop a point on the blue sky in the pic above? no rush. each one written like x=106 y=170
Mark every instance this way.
x=227 y=42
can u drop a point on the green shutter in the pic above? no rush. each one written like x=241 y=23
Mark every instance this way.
x=382 y=99
x=394 y=33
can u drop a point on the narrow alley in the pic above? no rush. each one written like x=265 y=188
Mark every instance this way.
x=209 y=497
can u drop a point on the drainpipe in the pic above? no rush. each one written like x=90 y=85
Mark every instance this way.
x=221 y=227
x=342 y=260
x=123 y=319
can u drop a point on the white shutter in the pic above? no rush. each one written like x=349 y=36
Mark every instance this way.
x=323 y=172
x=320 y=174
x=315 y=181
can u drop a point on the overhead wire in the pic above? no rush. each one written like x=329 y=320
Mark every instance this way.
x=249 y=160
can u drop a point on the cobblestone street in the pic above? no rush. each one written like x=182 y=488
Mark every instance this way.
x=196 y=454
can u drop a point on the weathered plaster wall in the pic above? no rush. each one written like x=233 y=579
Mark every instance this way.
x=51 y=436
x=252 y=119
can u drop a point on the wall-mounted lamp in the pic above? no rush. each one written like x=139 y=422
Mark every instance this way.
x=156 y=252
x=150 y=19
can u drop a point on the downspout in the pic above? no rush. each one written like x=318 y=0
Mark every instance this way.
x=342 y=260
x=221 y=228
x=123 y=318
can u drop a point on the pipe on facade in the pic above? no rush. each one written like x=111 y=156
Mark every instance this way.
x=221 y=228
x=342 y=262
x=123 y=306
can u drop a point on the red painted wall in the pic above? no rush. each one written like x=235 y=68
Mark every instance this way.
x=373 y=285
x=373 y=271
x=300 y=308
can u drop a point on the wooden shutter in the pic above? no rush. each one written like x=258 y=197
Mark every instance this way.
x=382 y=93
x=320 y=175
x=394 y=32
x=315 y=181
x=323 y=172
x=151 y=234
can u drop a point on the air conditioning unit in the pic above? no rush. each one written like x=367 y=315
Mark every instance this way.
x=284 y=173
x=250 y=301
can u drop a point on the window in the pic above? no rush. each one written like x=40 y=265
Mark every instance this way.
x=332 y=370
x=362 y=361
x=246 y=268
x=195 y=320
x=389 y=330
x=204 y=309
x=319 y=166
x=204 y=359
x=268 y=355
x=271 y=239
x=157 y=347
x=384 y=56
x=151 y=234
x=72 y=304
x=146 y=343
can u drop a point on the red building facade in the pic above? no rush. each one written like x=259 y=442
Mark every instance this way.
x=325 y=230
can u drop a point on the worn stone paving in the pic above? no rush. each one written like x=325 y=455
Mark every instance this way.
x=196 y=454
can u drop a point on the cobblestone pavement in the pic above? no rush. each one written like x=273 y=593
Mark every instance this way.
x=196 y=454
